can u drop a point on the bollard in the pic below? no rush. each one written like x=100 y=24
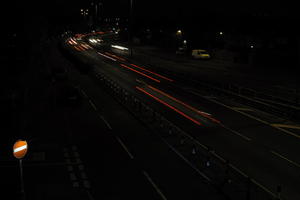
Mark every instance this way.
x=153 y=115
x=279 y=192
x=207 y=163
x=248 y=188
x=194 y=150
x=182 y=140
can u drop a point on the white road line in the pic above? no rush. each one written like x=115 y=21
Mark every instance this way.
x=286 y=159
x=154 y=185
x=264 y=188
x=236 y=133
x=96 y=109
x=73 y=177
x=252 y=117
x=90 y=195
x=93 y=105
x=83 y=93
x=124 y=147
x=187 y=161
x=105 y=121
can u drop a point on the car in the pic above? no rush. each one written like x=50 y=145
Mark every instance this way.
x=180 y=51
x=200 y=54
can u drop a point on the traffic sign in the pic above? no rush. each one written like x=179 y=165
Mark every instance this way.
x=20 y=149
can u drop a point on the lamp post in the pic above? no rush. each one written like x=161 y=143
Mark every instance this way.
x=130 y=27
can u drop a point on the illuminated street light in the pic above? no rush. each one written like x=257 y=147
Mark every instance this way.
x=221 y=33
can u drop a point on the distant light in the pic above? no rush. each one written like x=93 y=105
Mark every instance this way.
x=221 y=33
x=81 y=10
x=179 y=32
x=184 y=41
x=119 y=47
x=251 y=46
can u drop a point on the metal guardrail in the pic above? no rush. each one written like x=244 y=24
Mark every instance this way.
x=217 y=171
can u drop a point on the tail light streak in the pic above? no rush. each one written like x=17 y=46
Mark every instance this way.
x=168 y=105
x=140 y=73
x=204 y=114
x=163 y=77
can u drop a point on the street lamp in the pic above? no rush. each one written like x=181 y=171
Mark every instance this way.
x=130 y=27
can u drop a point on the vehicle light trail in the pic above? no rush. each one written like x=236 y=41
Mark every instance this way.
x=184 y=104
x=117 y=57
x=107 y=56
x=140 y=73
x=152 y=73
x=166 y=104
x=78 y=49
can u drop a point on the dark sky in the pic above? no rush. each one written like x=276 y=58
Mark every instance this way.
x=38 y=13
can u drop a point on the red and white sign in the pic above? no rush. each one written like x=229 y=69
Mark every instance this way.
x=20 y=149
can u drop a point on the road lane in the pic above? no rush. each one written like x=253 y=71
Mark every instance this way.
x=231 y=120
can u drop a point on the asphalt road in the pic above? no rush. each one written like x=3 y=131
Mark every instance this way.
x=264 y=152
x=92 y=150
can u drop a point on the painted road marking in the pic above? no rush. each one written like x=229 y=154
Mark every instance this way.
x=83 y=175
x=96 y=109
x=232 y=131
x=73 y=177
x=93 y=105
x=124 y=147
x=241 y=109
x=83 y=93
x=154 y=185
x=252 y=117
x=90 y=195
x=286 y=126
x=105 y=121
x=236 y=133
x=286 y=159
x=264 y=188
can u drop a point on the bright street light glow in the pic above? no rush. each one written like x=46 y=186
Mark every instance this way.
x=221 y=33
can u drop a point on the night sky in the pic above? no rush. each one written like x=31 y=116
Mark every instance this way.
x=269 y=14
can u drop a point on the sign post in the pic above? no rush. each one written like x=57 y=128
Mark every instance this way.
x=19 y=150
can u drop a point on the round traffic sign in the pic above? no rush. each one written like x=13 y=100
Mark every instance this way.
x=20 y=149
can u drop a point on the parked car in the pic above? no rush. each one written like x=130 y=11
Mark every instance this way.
x=200 y=54
x=180 y=51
